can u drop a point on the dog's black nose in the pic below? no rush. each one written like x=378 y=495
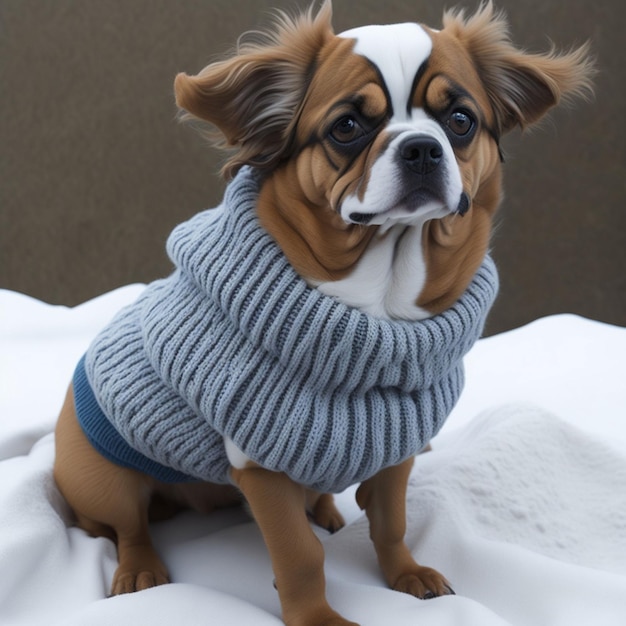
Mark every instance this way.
x=421 y=154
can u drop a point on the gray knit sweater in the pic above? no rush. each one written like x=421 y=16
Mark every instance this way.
x=234 y=343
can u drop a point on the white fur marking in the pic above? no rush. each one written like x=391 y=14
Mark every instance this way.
x=235 y=456
x=388 y=277
x=398 y=51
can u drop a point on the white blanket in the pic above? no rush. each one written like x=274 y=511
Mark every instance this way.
x=522 y=503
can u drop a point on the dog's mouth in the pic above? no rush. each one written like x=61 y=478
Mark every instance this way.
x=410 y=206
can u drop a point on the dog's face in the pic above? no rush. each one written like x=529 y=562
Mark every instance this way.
x=397 y=125
x=381 y=124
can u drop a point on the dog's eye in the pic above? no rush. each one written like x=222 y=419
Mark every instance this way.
x=461 y=123
x=346 y=129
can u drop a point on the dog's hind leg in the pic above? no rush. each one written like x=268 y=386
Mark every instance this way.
x=384 y=499
x=107 y=500
x=322 y=508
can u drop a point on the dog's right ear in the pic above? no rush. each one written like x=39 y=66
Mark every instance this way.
x=253 y=98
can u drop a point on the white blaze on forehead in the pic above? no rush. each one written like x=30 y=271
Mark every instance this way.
x=398 y=51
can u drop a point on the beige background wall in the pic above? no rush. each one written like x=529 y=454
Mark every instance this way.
x=95 y=171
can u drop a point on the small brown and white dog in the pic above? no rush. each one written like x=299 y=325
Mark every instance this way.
x=380 y=148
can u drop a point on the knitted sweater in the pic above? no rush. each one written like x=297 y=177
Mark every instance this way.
x=235 y=344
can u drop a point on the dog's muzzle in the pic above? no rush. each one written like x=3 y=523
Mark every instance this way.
x=422 y=155
x=421 y=177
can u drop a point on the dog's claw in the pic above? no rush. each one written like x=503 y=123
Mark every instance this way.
x=425 y=583
x=448 y=591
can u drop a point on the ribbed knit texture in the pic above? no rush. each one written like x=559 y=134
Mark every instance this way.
x=234 y=343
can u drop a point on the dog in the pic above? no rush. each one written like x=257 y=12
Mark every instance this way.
x=377 y=158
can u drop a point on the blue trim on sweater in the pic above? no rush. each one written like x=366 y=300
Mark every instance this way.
x=107 y=441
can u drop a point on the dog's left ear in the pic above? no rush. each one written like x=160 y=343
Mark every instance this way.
x=253 y=98
x=522 y=87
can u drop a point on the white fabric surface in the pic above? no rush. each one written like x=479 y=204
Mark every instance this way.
x=522 y=503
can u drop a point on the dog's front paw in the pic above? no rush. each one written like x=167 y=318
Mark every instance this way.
x=424 y=583
x=131 y=581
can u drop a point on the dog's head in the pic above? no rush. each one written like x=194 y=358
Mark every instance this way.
x=386 y=123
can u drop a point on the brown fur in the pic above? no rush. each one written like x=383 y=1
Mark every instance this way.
x=270 y=104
